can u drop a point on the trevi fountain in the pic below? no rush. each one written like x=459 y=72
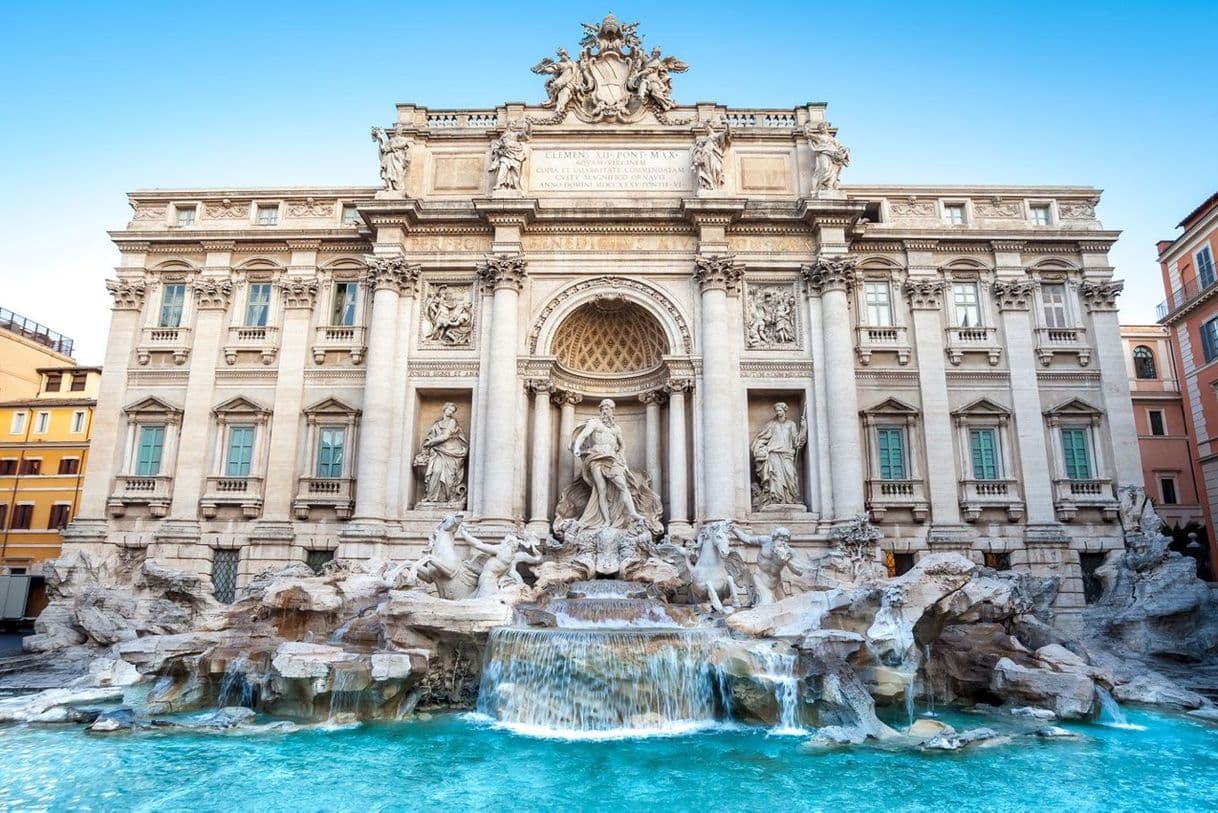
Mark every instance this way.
x=730 y=603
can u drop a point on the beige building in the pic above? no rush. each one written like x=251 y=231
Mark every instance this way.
x=278 y=357
x=26 y=346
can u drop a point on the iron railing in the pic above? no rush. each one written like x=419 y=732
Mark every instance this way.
x=1183 y=295
x=16 y=323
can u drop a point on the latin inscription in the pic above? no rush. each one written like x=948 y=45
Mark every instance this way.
x=610 y=170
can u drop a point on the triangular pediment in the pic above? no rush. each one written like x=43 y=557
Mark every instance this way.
x=152 y=406
x=331 y=406
x=1074 y=406
x=240 y=405
x=982 y=406
x=892 y=406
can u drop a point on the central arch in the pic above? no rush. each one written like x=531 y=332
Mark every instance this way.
x=609 y=337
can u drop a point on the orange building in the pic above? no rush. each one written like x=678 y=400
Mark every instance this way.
x=1190 y=314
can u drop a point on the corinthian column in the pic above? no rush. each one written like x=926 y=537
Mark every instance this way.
x=539 y=504
x=831 y=278
x=566 y=400
x=651 y=401
x=504 y=273
x=1100 y=300
x=678 y=459
x=717 y=275
x=385 y=279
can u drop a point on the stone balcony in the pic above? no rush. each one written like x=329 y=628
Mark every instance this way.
x=893 y=339
x=154 y=491
x=175 y=341
x=1071 y=495
x=910 y=495
x=243 y=492
x=337 y=493
x=962 y=341
x=1051 y=341
x=339 y=339
x=979 y=495
x=261 y=340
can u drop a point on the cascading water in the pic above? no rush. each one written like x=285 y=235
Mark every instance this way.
x=345 y=694
x=597 y=682
x=240 y=685
x=778 y=672
x=1111 y=714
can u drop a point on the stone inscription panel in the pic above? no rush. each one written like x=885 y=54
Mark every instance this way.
x=602 y=170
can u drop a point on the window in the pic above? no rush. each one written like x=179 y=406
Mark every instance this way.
x=1041 y=215
x=1205 y=267
x=1167 y=490
x=997 y=561
x=342 y=310
x=1157 y=425
x=18 y=424
x=224 y=575
x=69 y=465
x=1076 y=453
x=953 y=213
x=1144 y=362
x=878 y=299
x=898 y=563
x=258 y=304
x=31 y=466
x=59 y=517
x=240 y=451
x=983 y=445
x=1054 y=298
x=1209 y=339
x=890 y=447
x=172 y=298
x=1093 y=587
x=79 y=380
x=148 y=452
x=317 y=559
x=966 y=303
x=8 y=467
x=54 y=382
x=350 y=215
x=330 y=445
x=23 y=517
x=268 y=214
x=184 y=216
x=78 y=422
x=42 y=423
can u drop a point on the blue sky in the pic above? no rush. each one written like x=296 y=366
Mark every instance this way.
x=103 y=98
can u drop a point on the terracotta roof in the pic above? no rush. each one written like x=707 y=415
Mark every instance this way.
x=50 y=402
x=1200 y=211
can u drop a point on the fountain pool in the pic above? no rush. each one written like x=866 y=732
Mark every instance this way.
x=456 y=762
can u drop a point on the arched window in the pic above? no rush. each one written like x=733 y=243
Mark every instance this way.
x=1144 y=362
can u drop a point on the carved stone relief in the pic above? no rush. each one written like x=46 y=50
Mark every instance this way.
x=771 y=314
x=448 y=315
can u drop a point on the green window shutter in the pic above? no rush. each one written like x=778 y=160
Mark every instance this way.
x=148 y=458
x=1077 y=456
x=891 y=444
x=985 y=454
x=330 y=453
x=240 y=451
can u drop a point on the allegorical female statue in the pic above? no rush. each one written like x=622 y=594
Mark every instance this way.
x=607 y=494
x=442 y=459
x=508 y=155
x=395 y=158
x=707 y=157
x=774 y=449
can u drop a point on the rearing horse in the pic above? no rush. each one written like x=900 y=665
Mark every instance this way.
x=710 y=577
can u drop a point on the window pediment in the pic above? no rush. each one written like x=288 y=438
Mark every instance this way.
x=152 y=407
x=892 y=406
x=332 y=407
x=982 y=408
x=240 y=405
x=1074 y=408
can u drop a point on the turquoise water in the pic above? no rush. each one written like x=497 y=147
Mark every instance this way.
x=453 y=763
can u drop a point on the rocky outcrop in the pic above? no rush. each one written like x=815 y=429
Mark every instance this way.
x=1071 y=695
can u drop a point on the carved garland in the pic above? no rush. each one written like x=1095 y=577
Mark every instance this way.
x=611 y=284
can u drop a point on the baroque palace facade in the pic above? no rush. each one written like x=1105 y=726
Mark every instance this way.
x=302 y=372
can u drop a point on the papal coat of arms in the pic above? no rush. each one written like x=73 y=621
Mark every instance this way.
x=614 y=79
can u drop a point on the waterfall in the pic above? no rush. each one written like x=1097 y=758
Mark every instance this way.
x=778 y=671
x=1111 y=714
x=910 y=708
x=240 y=685
x=929 y=681
x=611 y=613
x=345 y=694
x=599 y=682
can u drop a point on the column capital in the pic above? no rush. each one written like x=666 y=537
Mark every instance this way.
x=562 y=398
x=1101 y=296
x=718 y=272
x=298 y=292
x=128 y=294
x=1014 y=295
x=829 y=274
x=212 y=294
x=656 y=396
x=392 y=273
x=924 y=294
x=539 y=385
x=678 y=385
x=504 y=271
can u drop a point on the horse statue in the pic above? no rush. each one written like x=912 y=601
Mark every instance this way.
x=717 y=575
x=441 y=565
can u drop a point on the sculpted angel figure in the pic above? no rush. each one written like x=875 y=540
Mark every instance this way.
x=442 y=458
x=395 y=158
x=707 y=157
x=830 y=157
x=773 y=558
x=508 y=155
x=651 y=78
x=774 y=449
x=563 y=82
